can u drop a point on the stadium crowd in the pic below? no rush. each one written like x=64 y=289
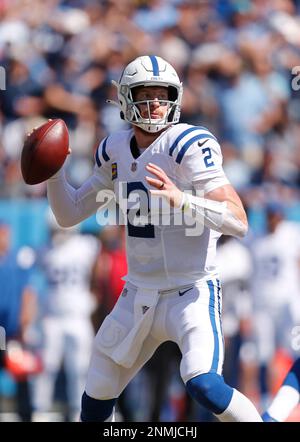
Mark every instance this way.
x=238 y=60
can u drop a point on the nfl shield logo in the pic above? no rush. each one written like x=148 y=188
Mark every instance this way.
x=133 y=167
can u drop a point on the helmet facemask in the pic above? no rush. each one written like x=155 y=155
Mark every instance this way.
x=133 y=113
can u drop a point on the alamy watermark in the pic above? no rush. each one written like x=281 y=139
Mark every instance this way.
x=2 y=338
x=296 y=79
x=2 y=78
x=137 y=208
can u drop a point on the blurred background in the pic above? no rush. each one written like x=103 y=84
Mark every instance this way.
x=238 y=61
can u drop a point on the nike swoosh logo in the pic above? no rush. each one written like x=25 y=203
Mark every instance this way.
x=183 y=293
x=203 y=142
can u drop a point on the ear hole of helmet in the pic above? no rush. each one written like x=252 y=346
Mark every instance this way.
x=172 y=93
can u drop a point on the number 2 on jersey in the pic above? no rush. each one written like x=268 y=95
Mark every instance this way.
x=207 y=158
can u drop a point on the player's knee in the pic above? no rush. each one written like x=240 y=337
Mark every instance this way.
x=95 y=410
x=210 y=390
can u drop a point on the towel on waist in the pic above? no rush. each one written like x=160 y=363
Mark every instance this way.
x=126 y=346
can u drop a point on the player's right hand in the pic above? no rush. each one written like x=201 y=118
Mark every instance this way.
x=164 y=186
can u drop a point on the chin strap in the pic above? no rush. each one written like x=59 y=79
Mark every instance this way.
x=213 y=214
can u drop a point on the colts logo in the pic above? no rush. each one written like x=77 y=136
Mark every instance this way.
x=114 y=171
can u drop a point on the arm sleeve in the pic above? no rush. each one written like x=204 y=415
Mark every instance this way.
x=71 y=206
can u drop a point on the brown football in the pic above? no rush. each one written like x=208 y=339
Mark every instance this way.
x=44 y=151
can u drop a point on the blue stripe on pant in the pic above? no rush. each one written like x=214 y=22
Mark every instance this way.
x=209 y=389
x=212 y=316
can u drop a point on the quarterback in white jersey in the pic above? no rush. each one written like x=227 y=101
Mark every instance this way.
x=163 y=256
x=172 y=290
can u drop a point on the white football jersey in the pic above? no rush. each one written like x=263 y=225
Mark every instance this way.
x=164 y=255
x=68 y=268
x=276 y=266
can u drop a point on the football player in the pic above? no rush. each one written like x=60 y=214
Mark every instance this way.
x=287 y=397
x=65 y=325
x=276 y=306
x=275 y=289
x=172 y=288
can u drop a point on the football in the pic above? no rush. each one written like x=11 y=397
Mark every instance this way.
x=44 y=151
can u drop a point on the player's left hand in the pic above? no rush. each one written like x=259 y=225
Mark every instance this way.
x=163 y=186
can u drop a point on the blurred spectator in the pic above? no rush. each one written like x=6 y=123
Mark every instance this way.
x=235 y=59
x=17 y=312
x=109 y=268
x=156 y=16
x=23 y=95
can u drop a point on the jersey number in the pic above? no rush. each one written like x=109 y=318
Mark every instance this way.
x=207 y=159
x=146 y=231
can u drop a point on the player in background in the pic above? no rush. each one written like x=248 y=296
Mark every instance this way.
x=235 y=266
x=18 y=305
x=276 y=291
x=173 y=290
x=287 y=397
x=64 y=322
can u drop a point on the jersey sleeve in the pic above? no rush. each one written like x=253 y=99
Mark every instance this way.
x=103 y=166
x=70 y=205
x=199 y=158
